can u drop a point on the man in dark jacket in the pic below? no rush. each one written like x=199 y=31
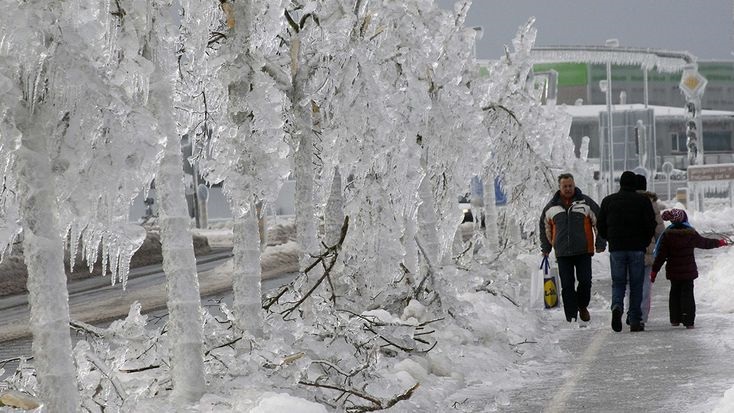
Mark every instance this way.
x=567 y=226
x=627 y=222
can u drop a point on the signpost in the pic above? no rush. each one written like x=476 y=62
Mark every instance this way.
x=700 y=174
x=693 y=84
x=668 y=170
x=712 y=172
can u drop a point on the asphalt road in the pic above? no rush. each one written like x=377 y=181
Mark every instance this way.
x=94 y=299
x=113 y=303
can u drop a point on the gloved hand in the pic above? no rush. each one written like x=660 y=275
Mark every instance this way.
x=724 y=242
x=653 y=274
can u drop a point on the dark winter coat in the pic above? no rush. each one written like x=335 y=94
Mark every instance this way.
x=676 y=247
x=626 y=219
x=569 y=229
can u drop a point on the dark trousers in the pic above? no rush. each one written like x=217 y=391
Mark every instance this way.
x=575 y=297
x=681 y=303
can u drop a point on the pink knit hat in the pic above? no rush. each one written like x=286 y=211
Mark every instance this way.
x=675 y=216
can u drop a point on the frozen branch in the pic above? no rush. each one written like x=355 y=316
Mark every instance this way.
x=332 y=253
x=376 y=403
x=496 y=107
x=87 y=328
x=104 y=369
x=269 y=301
x=488 y=288
x=139 y=369
x=227 y=344
x=429 y=272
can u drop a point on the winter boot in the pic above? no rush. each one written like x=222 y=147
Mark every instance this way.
x=617 y=319
x=584 y=314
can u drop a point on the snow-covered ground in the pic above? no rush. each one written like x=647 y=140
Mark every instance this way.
x=494 y=345
x=503 y=347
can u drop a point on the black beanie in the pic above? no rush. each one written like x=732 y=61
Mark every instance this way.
x=640 y=183
x=628 y=180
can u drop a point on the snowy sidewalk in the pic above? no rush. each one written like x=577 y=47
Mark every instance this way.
x=662 y=369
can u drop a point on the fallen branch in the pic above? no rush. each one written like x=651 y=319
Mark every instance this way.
x=429 y=272
x=332 y=253
x=228 y=344
x=10 y=360
x=269 y=301
x=377 y=404
x=495 y=292
x=139 y=369
x=104 y=369
x=87 y=328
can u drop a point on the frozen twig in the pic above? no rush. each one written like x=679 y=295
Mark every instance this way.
x=332 y=253
x=227 y=344
x=87 y=328
x=104 y=369
x=429 y=272
x=376 y=403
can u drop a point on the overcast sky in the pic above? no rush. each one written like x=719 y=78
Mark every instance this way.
x=702 y=27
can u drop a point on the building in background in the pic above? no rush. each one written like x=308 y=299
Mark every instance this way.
x=668 y=128
x=578 y=88
x=581 y=81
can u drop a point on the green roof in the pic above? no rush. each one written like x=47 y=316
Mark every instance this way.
x=569 y=74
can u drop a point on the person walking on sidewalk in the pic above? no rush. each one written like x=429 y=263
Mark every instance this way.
x=627 y=222
x=676 y=247
x=567 y=226
x=641 y=187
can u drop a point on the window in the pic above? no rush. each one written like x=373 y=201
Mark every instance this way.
x=678 y=142
x=719 y=141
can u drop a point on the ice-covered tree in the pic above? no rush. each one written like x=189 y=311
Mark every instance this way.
x=529 y=141
x=78 y=146
x=301 y=39
x=438 y=121
x=248 y=151
x=166 y=39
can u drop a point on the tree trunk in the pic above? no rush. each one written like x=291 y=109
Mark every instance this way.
x=179 y=263
x=304 y=170
x=304 y=197
x=490 y=217
x=47 y=293
x=334 y=212
x=427 y=223
x=408 y=241
x=247 y=276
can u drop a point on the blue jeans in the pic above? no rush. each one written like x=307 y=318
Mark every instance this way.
x=628 y=266
x=646 y=294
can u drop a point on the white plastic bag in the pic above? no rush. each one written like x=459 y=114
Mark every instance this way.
x=536 y=285
x=551 y=287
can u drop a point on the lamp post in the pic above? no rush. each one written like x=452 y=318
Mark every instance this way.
x=478 y=34
x=610 y=43
x=604 y=141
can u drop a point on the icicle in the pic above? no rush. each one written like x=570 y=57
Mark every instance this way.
x=75 y=235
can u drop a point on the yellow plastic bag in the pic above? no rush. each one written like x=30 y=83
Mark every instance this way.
x=550 y=285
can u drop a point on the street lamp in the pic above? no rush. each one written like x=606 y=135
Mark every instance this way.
x=478 y=34
x=610 y=43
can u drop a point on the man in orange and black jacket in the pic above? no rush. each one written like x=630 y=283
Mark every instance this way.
x=567 y=225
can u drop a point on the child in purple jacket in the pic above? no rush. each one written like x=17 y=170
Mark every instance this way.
x=676 y=245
